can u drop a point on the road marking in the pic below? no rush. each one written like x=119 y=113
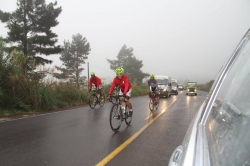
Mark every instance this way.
x=132 y=138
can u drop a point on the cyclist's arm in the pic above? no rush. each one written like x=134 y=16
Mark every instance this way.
x=90 y=83
x=112 y=86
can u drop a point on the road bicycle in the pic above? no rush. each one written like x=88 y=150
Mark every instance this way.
x=154 y=101
x=95 y=99
x=118 y=113
x=115 y=93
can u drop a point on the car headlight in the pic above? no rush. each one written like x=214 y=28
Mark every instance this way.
x=164 y=90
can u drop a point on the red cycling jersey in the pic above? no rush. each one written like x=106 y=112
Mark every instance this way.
x=122 y=83
x=95 y=80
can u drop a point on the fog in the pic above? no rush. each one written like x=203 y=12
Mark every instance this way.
x=187 y=40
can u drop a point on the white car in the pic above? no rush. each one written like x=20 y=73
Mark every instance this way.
x=219 y=134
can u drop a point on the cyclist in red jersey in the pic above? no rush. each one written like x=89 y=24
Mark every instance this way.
x=96 y=81
x=122 y=82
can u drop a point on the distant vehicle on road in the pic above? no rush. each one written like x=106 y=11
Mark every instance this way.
x=164 y=84
x=180 y=87
x=174 y=87
x=192 y=88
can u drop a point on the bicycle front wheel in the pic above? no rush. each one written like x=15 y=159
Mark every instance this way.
x=128 y=118
x=115 y=118
x=157 y=104
x=92 y=101
x=151 y=104
x=102 y=100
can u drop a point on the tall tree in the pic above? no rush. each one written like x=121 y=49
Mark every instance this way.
x=131 y=65
x=30 y=30
x=74 y=54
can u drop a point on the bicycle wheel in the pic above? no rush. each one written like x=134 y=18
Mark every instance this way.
x=114 y=118
x=128 y=119
x=92 y=101
x=157 y=102
x=102 y=100
x=151 y=104
x=157 y=105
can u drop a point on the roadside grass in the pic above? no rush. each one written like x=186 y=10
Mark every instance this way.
x=62 y=96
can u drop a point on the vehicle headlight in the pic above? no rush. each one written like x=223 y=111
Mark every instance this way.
x=164 y=89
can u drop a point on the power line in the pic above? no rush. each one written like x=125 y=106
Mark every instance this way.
x=101 y=68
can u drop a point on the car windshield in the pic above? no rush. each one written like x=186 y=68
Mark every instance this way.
x=162 y=81
x=173 y=83
x=191 y=85
x=227 y=127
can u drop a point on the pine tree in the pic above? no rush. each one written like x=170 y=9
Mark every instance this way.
x=74 y=54
x=30 y=30
x=129 y=63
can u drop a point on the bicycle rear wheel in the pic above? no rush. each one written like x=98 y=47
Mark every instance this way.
x=92 y=101
x=114 y=118
x=151 y=104
x=102 y=100
x=128 y=119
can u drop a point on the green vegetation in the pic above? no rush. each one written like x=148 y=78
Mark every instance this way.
x=130 y=64
x=73 y=56
x=206 y=87
x=26 y=86
x=56 y=96
x=30 y=31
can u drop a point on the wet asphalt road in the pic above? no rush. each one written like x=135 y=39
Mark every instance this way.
x=82 y=136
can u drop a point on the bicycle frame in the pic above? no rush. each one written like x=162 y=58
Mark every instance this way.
x=94 y=99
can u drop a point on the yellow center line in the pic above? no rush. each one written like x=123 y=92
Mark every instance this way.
x=128 y=141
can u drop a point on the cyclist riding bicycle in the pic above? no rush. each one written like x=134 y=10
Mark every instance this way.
x=153 y=85
x=122 y=82
x=97 y=82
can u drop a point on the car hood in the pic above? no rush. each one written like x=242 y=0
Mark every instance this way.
x=162 y=86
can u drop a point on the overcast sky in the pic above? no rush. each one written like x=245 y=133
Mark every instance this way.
x=184 y=39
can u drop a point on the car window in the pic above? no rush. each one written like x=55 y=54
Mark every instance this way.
x=191 y=85
x=162 y=81
x=228 y=125
x=174 y=83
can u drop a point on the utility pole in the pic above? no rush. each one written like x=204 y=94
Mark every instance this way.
x=88 y=73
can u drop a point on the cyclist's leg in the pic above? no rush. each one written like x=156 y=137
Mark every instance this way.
x=120 y=94
x=100 y=90
x=128 y=102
